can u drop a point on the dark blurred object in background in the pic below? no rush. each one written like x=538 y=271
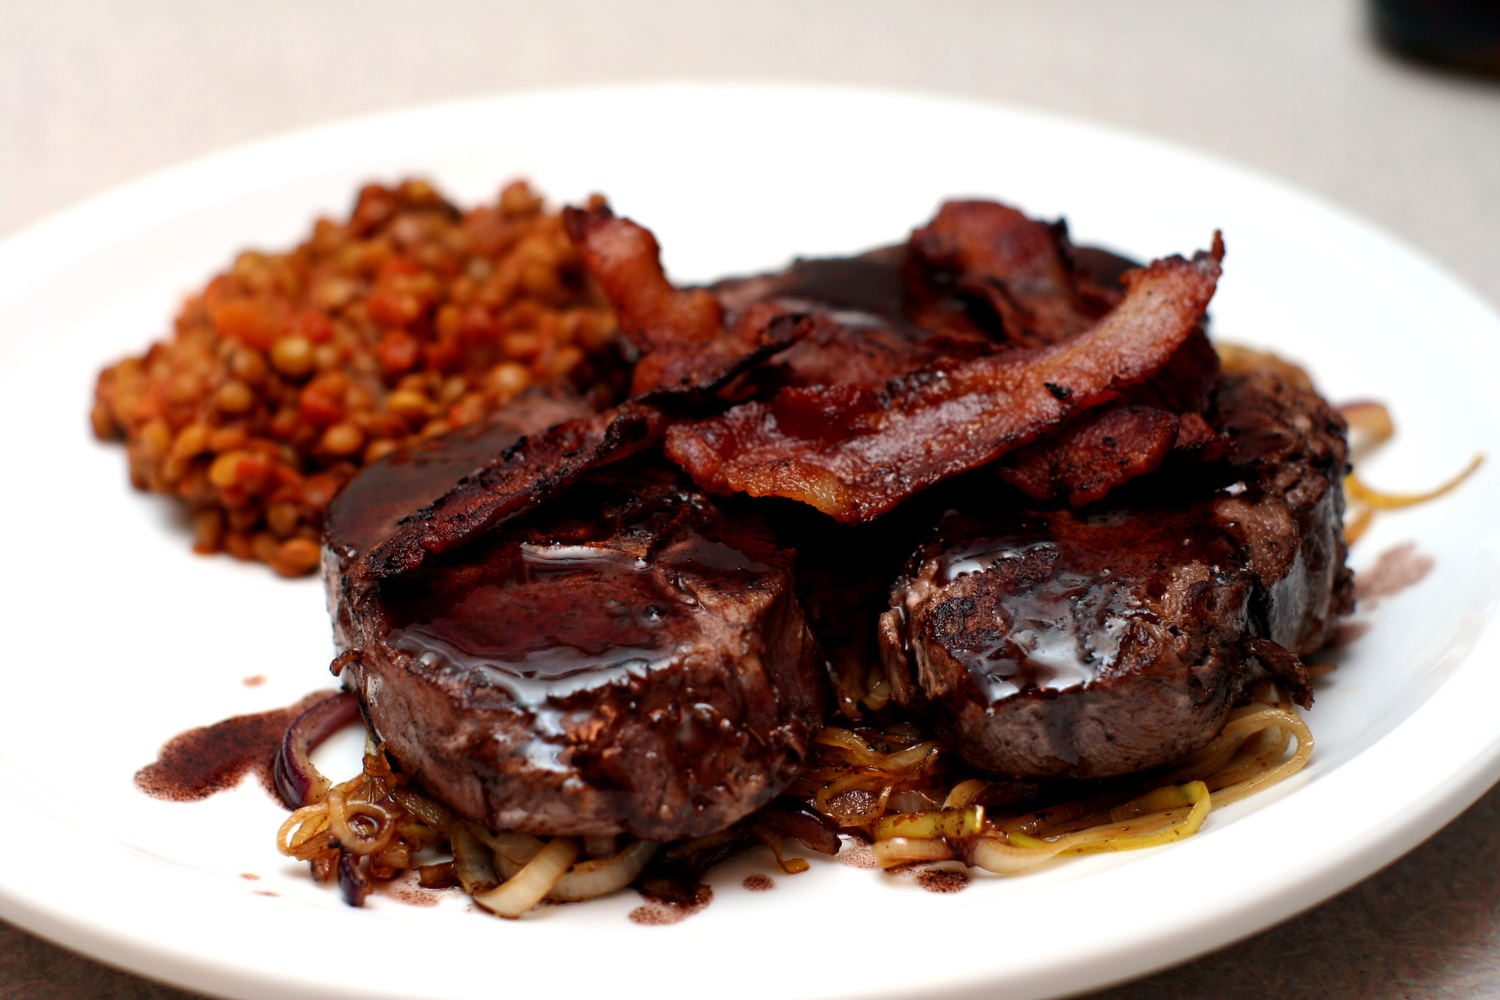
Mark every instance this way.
x=1457 y=34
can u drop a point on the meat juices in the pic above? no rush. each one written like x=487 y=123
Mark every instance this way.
x=628 y=659
x=1097 y=643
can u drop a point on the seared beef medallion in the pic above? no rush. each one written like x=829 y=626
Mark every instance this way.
x=1108 y=640
x=627 y=659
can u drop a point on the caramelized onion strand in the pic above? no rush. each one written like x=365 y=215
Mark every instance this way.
x=530 y=885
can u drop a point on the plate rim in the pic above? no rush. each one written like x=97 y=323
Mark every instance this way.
x=1460 y=787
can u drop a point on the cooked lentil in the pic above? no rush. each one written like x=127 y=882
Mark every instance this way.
x=291 y=370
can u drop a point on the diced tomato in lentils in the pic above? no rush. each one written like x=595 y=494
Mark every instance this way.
x=289 y=371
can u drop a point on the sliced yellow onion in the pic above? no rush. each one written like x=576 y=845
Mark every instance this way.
x=588 y=878
x=600 y=846
x=1017 y=852
x=1358 y=524
x=295 y=838
x=953 y=824
x=855 y=749
x=894 y=851
x=964 y=793
x=872 y=781
x=355 y=841
x=1003 y=856
x=1156 y=807
x=1264 y=779
x=530 y=885
x=844 y=739
x=601 y=876
x=434 y=814
x=514 y=848
x=1358 y=492
x=878 y=694
x=473 y=862
x=916 y=800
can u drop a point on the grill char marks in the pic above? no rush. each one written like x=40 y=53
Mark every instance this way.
x=378 y=504
x=627 y=659
x=1097 y=643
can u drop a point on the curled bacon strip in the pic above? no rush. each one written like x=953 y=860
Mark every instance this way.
x=681 y=333
x=855 y=452
x=1018 y=267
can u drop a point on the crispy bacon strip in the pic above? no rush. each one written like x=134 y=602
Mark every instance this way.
x=1109 y=447
x=1020 y=268
x=755 y=335
x=855 y=452
x=681 y=333
x=1103 y=448
x=518 y=479
x=626 y=260
x=1084 y=462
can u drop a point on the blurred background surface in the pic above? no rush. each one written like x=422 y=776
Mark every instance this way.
x=93 y=94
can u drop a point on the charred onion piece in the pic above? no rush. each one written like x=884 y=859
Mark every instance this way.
x=354 y=885
x=298 y=782
x=473 y=863
x=797 y=819
x=440 y=875
x=855 y=453
x=674 y=873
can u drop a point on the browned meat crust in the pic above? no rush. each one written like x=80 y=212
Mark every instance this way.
x=627 y=659
x=1107 y=641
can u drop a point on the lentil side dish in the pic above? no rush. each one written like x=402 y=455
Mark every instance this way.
x=290 y=371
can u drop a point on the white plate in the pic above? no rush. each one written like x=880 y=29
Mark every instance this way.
x=119 y=638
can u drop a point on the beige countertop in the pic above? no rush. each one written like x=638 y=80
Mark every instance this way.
x=93 y=94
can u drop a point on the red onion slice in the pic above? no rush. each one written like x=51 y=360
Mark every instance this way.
x=793 y=818
x=298 y=782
